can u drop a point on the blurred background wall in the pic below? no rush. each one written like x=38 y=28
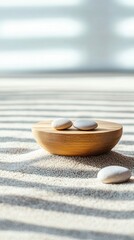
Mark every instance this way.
x=54 y=36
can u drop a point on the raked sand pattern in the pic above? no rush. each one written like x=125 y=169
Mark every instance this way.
x=53 y=197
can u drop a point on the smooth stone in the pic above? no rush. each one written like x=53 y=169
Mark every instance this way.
x=85 y=125
x=114 y=174
x=61 y=123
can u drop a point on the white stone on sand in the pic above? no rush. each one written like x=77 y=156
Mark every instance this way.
x=114 y=174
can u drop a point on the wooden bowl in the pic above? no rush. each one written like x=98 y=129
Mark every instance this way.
x=73 y=142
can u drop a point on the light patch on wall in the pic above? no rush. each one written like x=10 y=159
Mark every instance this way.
x=125 y=27
x=125 y=59
x=40 y=60
x=38 y=3
x=129 y=3
x=37 y=28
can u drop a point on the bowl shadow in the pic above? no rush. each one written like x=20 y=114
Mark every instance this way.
x=110 y=158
